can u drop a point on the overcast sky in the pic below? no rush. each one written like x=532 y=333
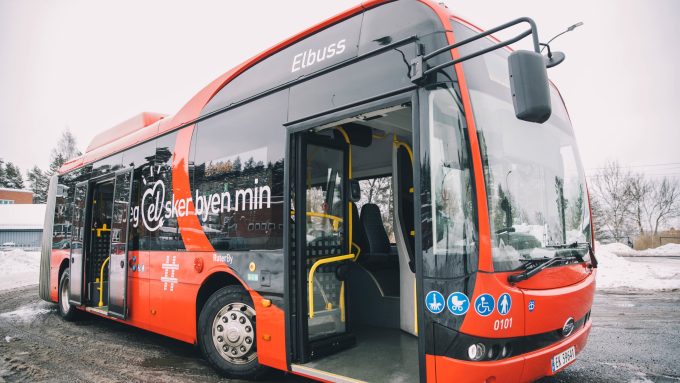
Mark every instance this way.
x=88 y=65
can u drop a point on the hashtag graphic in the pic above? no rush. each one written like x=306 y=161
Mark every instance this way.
x=169 y=275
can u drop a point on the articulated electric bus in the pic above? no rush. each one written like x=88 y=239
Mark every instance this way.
x=390 y=195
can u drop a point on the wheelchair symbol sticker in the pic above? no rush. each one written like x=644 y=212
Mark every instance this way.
x=504 y=304
x=484 y=305
x=458 y=303
x=434 y=301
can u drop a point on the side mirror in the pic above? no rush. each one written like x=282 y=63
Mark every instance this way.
x=529 y=86
x=354 y=191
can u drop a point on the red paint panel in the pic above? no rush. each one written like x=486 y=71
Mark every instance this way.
x=538 y=363
x=553 y=307
x=138 y=288
x=271 y=322
x=56 y=258
x=524 y=368
x=555 y=277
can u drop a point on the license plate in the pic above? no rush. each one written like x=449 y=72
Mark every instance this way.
x=562 y=359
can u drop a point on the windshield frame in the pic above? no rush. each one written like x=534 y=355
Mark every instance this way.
x=548 y=246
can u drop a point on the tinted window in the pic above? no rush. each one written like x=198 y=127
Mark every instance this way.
x=107 y=165
x=140 y=158
x=165 y=234
x=61 y=235
x=237 y=185
x=330 y=46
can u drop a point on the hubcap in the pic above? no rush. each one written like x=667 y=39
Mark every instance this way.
x=65 y=305
x=233 y=333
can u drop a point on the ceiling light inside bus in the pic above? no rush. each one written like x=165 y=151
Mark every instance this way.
x=476 y=351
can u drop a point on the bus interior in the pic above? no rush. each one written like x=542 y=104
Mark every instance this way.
x=98 y=246
x=362 y=321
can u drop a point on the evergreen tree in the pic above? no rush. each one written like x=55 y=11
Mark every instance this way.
x=3 y=177
x=39 y=183
x=14 y=179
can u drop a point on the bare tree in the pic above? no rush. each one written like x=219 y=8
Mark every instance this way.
x=67 y=146
x=639 y=191
x=611 y=191
x=663 y=205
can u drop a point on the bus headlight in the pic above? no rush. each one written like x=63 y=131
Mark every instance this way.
x=476 y=351
x=505 y=351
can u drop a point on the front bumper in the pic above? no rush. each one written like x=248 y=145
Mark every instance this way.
x=522 y=368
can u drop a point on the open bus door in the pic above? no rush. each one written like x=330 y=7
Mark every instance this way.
x=322 y=245
x=118 y=248
x=77 y=244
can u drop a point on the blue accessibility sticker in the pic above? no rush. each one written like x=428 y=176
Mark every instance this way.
x=532 y=305
x=484 y=305
x=458 y=303
x=434 y=301
x=504 y=304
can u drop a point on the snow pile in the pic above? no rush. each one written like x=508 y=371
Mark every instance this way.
x=667 y=250
x=617 y=272
x=618 y=248
x=19 y=268
x=28 y=313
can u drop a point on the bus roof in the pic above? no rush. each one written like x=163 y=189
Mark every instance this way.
x=125 y=128
x=147 y=126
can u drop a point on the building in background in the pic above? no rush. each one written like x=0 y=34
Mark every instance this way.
x=15 y=196
x=21 y=225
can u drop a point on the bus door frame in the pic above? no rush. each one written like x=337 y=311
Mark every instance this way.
x=295 y=339
x=119 y=310
x=77 y=264
x=302 y=142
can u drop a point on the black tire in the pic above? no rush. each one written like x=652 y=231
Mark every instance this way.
x=228 y=319
x=66 y=309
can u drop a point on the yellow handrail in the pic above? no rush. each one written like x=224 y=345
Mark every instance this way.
x=398 y=143
x=101 y=283
x=310 y=278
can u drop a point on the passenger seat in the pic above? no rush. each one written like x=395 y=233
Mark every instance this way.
x=376 y=237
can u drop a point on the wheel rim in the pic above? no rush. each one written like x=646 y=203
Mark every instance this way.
x=65 y=305
x=233 y=333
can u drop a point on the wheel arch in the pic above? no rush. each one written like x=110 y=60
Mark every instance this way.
x=210 y=285
x=62 y=266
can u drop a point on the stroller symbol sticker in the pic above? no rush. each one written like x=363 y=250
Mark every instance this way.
x=484 y=305
x=504 y=304
x=458 y=303
x=434 y=301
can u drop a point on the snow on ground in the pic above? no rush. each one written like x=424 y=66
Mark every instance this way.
x=28 y=313
x=19 y=268
x=648 y=274
x=667 y=250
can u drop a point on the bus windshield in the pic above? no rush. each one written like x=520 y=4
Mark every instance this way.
x=534 y=178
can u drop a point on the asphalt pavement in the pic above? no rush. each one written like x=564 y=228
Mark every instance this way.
x=635 y=338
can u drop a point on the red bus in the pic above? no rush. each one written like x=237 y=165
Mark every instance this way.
x=392 y=194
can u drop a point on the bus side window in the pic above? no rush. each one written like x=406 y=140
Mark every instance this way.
x=238 y=172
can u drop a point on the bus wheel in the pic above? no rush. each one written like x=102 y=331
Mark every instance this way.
x=66 y=309
x=226 y=332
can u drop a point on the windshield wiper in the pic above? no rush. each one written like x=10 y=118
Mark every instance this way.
x=573 y=245
x=514 y=278
x=504 y=230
